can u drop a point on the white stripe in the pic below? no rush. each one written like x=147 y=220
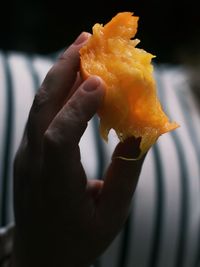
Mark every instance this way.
x=193 y=111
x=89 y=152
x=110 y=258
x=42 y=65
x=172 y=201
x=2 y=119
x=191 y=162
x=23 y=96
x=110 y=146
x=144 y=209
x=183 y=87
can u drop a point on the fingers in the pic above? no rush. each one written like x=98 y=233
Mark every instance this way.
x=62 y=75
x=55 y=89
x=63 y=134
x=120 y=182
x=69 y=124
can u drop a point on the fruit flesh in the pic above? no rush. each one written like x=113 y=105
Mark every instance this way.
x=131 y=106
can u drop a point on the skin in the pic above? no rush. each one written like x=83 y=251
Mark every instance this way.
x=62 y=218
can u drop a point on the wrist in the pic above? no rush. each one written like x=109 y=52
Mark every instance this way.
x=31 y=254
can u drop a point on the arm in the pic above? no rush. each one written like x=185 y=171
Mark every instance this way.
x=62 y=218
x=6 y=244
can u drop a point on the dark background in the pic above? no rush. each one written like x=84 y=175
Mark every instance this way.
x=169 y=29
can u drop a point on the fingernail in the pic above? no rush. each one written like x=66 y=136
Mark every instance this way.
x=91 y=83
x=129 y=148
x=81 y=38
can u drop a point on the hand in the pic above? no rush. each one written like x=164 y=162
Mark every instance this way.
x=63 y=219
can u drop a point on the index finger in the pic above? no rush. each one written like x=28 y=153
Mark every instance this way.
x=54 y=90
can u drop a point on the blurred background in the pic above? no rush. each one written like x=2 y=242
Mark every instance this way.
x=169 y=29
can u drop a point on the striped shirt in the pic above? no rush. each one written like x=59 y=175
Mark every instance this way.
x=163 y=229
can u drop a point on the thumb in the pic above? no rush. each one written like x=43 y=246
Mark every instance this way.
x=120 y=182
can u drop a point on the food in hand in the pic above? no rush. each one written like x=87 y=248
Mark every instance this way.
x=131 y=106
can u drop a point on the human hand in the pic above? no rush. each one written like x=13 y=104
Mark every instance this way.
x=62 y=218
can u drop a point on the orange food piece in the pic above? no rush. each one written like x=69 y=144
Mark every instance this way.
x=131 y=106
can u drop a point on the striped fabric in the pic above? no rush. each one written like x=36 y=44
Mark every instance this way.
x=163 y=229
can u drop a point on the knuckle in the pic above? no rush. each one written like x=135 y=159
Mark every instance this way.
x=49 y=80
x=75 y=112
x=68 y=54
x=76 y=117
x=56 y=144
x=54 y=140
x=62 y=57
x=50 y=141
x=40 y=100
x=51 y=144
x=50 y=75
